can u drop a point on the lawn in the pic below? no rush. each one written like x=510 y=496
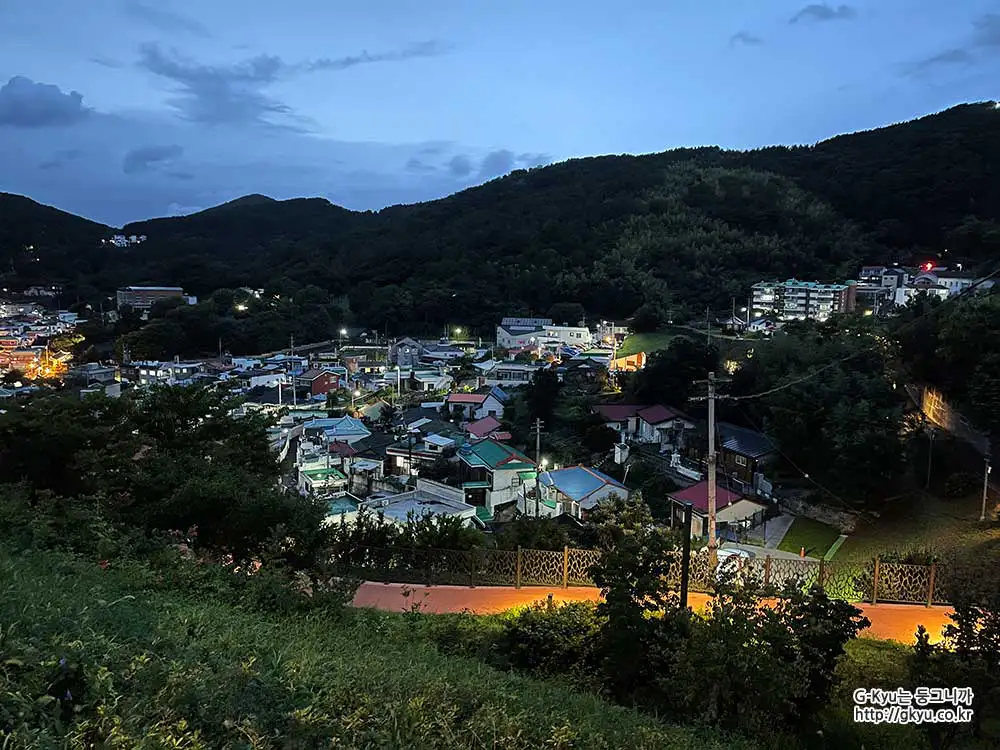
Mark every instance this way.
x=151 y=669
x=645 y=342
x=816 y=537
x=919 y=521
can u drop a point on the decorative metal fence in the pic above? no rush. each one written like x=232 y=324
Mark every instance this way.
x=872 y=581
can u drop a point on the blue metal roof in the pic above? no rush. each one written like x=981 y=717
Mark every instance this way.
x=577 y=482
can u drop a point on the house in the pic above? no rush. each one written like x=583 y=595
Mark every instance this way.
x=628 y=363
x=441 y=352
x=342 y=429
x=406 y=352
x=416 y=448
x=318 y=381
x=167 y=373
x=95 y=372
x=288 y=363
x=583 y=372
x=574 y=490
x=742 y=453
x=518 y=333
x=663 y=426
x=430 y=380
x=487 y=427
x=428 y=498
x=622 y=418
x=730 y=508
x=474 y=406
x=578 y=335
x=492 y=475
x=321 y=480
x=512 y=374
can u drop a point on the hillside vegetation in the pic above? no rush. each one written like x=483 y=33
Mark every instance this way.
x=679 y=230
x=153 y=669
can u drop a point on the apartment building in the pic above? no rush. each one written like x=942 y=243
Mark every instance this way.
x=801 y=300
x=144 y=297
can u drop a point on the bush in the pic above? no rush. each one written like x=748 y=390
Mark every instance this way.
x=550 y=639
x=961 y=484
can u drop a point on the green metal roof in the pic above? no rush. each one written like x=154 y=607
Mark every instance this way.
x=495 y=455
x=330 y=473
x=475 y=485
x=483 y=513
x=527 y=475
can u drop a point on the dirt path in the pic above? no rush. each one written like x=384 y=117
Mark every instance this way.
x=896 y=622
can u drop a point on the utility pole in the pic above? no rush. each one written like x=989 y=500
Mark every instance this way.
x=733 y=319
x=713 y=543
x=685 y=552
x=537 y=429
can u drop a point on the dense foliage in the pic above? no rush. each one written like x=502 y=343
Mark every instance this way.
x=667 y=234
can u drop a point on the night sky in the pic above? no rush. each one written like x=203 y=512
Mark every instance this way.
x=120 y=110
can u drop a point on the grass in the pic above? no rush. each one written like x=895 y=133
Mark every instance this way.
x=645 y=342
x=165 y=669
x=923 y=521
x=816 y=537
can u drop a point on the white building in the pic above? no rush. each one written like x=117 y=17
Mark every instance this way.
x=518 y=333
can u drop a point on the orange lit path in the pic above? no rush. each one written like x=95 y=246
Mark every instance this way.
x=897 y=622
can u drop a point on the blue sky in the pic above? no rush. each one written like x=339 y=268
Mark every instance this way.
x=126 y=109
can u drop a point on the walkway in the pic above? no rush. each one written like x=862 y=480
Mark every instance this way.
x=776 y=528
x=896 y=622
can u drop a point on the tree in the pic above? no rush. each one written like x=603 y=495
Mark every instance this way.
x=543 y=393
x=13 y=376
x=567 y=313
x=669 y=375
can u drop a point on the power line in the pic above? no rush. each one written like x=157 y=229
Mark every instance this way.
x=858 y=353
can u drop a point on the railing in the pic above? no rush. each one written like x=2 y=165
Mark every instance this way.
x=873 y=581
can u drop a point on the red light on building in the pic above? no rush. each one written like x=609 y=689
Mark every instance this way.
x=928 y=266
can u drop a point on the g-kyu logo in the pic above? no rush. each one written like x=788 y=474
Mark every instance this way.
x=920 y=706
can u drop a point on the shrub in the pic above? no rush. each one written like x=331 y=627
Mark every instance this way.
x=961 y=484
x=550 y=639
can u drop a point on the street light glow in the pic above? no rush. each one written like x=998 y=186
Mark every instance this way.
x=343 y=331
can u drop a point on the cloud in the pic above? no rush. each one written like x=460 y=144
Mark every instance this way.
x=745 y=38
x=416 y=165
x=142 y=159
x=982 y=44
x=236 y=93
x=533 y=160
x=819 y=12
x=180 y=175
x=414 y=51
x=496 y=163
x=107 y=62
x=164 y=20
x=218 y=95
x=460 y=165
x=26 y=104
x=62 y=157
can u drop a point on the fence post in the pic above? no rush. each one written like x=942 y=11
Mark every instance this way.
x=473 y=561
x=822 y=570
x=565 y=567
x=875 y=581
x=517 y=570
x=930 y=585
x=767 y=570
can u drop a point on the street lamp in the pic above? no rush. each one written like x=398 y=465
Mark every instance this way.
x=986 y=486
x=343 y=332
x=354 y=394
x=544 y=463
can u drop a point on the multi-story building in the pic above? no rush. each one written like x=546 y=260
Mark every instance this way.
x=144 y=297
x=801 y=300
x=518 y=333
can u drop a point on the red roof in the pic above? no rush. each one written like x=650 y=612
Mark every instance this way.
x=697 y=495
x=342 y=449
x=658 y=414
x=483 y=427
x=618 y=412
x=501 y=436
x=466 y=398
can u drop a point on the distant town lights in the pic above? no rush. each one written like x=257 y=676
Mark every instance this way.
x=241 y=307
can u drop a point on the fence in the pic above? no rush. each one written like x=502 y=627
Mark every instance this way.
x=872 y=581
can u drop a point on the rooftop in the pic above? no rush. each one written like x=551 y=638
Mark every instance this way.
x=658 y=414
x=697 y=495
x=483 y=427
x=579 y=483
x=619 y=412
x=746 y=442
x=493 y=455
x=466 y=398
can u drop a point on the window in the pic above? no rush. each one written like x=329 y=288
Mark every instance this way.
x=741 y=461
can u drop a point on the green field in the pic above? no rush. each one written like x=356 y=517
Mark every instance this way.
x=645 y=342
x=153 y=669
x=814 y=536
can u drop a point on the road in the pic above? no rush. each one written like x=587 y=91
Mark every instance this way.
x=897 y=622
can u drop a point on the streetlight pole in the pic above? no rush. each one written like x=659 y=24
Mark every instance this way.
x=986 y=487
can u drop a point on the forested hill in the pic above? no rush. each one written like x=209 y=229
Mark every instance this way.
x=678 y=230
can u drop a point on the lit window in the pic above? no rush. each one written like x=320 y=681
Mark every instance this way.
x=741 y=461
